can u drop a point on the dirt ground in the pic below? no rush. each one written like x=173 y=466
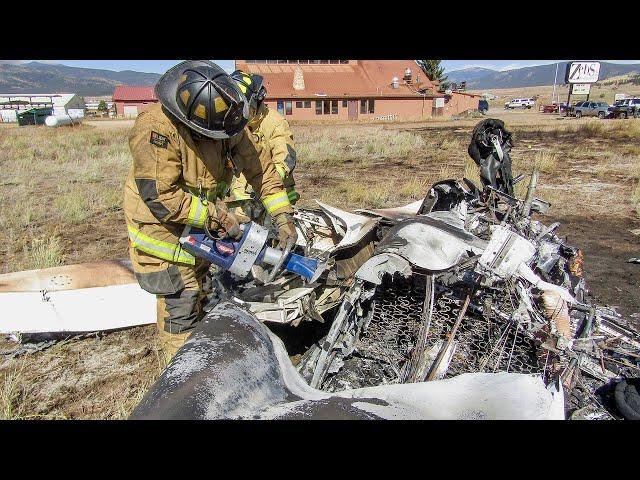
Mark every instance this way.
x=590 y=171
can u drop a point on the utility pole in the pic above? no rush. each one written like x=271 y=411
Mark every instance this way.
x=553 y=97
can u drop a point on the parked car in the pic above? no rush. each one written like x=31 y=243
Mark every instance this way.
x=483 y=107
x=626 y=108
x=591 y=109
x=520 y=103
x=553 y=108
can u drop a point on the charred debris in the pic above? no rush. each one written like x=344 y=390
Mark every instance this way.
x=471 y=282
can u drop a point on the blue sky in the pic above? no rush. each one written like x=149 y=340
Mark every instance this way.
x=160 y=66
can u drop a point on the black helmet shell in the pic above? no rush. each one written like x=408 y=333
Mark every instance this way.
x=205 y=98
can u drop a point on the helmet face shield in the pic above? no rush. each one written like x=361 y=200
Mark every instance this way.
x=205 y=98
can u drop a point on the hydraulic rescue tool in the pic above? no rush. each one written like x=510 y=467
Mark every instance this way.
x=239 y=256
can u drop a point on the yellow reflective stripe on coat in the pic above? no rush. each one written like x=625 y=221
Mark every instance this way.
x=281 y=170
x=197 y=212
x=276 y=201
x=239 y=193
x=164 y=250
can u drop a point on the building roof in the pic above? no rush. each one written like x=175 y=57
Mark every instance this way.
x=58 y=99
x=370 y=78
x=133 y=93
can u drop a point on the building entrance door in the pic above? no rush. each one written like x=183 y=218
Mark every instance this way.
x=353 y=109
x=280 y=107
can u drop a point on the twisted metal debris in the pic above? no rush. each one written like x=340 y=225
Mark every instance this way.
x=490 y=290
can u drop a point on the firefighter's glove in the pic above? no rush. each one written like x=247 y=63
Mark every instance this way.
x=226 y=224
x=286 y=230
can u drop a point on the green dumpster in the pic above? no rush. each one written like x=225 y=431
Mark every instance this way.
x=34 y=116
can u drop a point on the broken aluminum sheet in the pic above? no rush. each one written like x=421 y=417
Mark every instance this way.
x=69 y=277
x=285 y=309
x=525 y=272
x=79 y=310
x=317 y=224
x=432 y=242
x=396 y=214
x=386 y=263
x=73 y=299
x=350 y=226
x=505 y=252
x=233 y=367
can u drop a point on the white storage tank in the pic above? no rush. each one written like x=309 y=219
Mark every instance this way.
x=60 y=120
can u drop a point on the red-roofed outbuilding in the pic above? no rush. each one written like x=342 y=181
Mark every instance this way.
x=131 y=100
x=354 y=89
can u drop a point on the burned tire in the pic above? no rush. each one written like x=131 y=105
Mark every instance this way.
x=578 y=114
x=623 y=115
x=601 y=115
x=627 y=397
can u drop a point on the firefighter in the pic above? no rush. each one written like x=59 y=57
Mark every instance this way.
x=271 y=131
x=186 y=150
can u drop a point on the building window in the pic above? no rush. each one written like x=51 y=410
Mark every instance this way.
x=327 y=107
x=298 y=104
x=367 y=106
x=344 y=104
x=280 y=106
x=288 y=107
x=324 y=61
x=318 y=107
x=334 y=107
x=307 y=104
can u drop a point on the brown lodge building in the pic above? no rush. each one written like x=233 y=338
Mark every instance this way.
x=354 y=89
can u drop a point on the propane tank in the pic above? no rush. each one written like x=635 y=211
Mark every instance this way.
x=394 y=82
x=60 y=120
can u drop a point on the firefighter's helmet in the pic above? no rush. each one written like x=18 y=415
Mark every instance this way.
x=204 y=97
x=253 y=88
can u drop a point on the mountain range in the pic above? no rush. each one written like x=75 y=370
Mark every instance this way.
x=485 y=78
x=38 y=77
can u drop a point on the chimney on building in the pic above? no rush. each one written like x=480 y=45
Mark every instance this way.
x=407 y=75
x=298 y=79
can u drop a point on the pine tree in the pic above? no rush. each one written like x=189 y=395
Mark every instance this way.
x=434 y=71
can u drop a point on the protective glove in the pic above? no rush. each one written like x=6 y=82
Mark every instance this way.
x=226 y=224
x=286 y=229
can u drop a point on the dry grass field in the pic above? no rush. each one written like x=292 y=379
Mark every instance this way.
x=60 y=203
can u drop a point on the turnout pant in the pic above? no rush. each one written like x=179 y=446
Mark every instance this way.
x=180 y=297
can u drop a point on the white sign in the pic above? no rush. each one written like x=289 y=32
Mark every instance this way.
x=580 y=89
x=439 y=102
x=582 y=72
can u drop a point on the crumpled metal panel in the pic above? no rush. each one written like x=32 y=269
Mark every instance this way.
x=430 y=242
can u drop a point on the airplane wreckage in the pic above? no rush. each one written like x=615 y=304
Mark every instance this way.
x=458 y=306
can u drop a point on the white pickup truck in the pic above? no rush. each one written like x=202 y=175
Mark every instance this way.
x=520 y=103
